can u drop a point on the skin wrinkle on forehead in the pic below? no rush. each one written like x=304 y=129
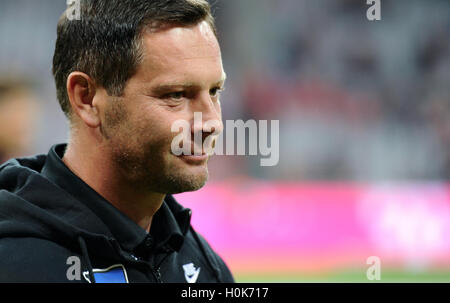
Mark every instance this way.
x=177 y=30
x=174 y=53
x=182 y=84
x=176 y=46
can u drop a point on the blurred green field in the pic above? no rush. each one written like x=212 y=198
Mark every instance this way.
x=347 y=277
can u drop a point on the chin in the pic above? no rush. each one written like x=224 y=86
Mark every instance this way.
x=194 y=179
x=180 y=175
x=182 y=178
x=180 y=186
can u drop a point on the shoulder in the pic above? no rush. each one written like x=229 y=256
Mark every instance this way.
x=33 y=260
x=225 y=274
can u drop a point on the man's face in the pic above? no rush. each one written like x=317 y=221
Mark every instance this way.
x=181 y=74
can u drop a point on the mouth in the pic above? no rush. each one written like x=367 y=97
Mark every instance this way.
x=194 y=159
x=195 y=156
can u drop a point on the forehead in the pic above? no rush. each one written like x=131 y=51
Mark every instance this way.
x=181 y=53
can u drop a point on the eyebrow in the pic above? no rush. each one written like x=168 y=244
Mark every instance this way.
x=166 y=87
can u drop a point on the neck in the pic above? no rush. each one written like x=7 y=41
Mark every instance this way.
x=91 y=163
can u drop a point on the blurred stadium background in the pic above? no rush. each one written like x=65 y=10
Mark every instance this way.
x=364 y=111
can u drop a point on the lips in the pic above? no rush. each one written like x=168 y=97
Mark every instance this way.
x=195 y=150
x=195 y=159
x=194 y=156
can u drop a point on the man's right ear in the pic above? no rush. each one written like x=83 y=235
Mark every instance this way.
x=81 y=91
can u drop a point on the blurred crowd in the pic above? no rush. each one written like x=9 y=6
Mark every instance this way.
x=356 y=99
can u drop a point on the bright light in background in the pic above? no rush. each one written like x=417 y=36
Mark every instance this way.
x=408 y=223
x=303 y=230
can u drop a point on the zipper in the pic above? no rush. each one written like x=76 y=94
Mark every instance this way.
x=157 y=275
x=157 y=272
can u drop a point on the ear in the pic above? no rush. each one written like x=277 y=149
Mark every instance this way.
x=81 y=91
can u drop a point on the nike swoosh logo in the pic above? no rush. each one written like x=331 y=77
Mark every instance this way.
x=192 y=278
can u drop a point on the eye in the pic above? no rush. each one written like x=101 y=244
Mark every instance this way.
x=215 y=92
x=175 y=95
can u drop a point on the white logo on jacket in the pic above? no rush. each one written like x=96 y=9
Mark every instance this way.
x=191 y=273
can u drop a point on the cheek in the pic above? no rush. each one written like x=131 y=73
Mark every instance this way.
x=154 y=126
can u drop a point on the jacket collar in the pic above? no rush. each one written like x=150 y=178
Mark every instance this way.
x=169 y=226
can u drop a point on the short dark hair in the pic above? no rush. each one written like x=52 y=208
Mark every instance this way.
x=106 y=41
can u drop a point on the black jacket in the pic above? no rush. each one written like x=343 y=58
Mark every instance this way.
x=55 y=228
